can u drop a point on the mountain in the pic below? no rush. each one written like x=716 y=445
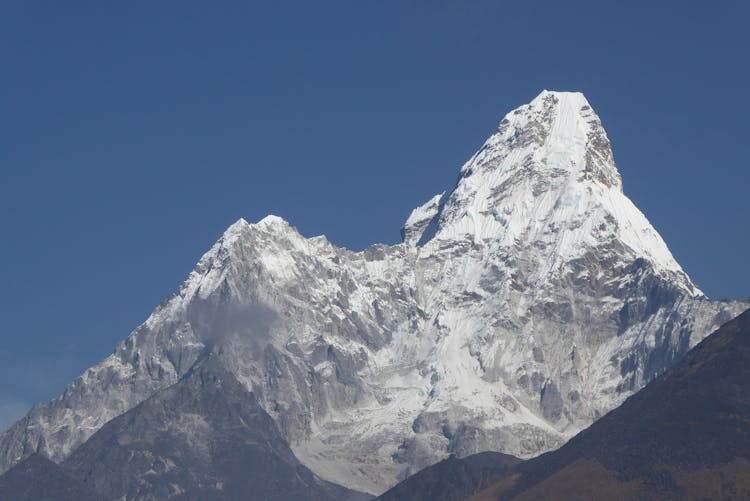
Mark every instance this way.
x=686 y=435
x=205 y=437
x=36 y=478
x=454 y=478
x=523 y=304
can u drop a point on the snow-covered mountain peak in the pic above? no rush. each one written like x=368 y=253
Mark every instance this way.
x=526 y=301
x=560 y=131
x=268 y=232
x=272 y=221
x=545 y=186
x=234 y=230
x=267 y=245
x=571 y=98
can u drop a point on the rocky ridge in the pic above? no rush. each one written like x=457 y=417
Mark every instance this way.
x=523 y=304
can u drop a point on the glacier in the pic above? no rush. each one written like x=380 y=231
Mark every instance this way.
x=523 y=303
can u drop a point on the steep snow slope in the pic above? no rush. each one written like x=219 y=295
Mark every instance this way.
x=523 y=304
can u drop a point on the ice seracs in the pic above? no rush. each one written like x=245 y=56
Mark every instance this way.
x=524 y=302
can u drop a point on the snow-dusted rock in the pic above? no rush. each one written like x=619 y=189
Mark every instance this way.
x=523 y=304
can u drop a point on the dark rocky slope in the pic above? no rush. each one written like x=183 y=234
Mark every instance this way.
x=36 y=478
x=454 y=478
x=205 y=437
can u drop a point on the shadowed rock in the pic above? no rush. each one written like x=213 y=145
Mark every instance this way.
x=38 y=479
x=205 y=437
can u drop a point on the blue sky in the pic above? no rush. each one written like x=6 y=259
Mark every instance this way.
x=135 y=132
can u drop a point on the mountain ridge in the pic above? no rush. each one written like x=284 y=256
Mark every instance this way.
x=523 y=304
x=204 y=437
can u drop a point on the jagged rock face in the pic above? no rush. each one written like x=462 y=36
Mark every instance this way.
x=205 y=437
x=683 y=436
x=523 y=304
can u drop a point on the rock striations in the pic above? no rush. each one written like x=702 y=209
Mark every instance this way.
x=682 y=437
x=523 y=304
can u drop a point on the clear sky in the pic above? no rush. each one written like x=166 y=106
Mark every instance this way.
x=134 y=133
